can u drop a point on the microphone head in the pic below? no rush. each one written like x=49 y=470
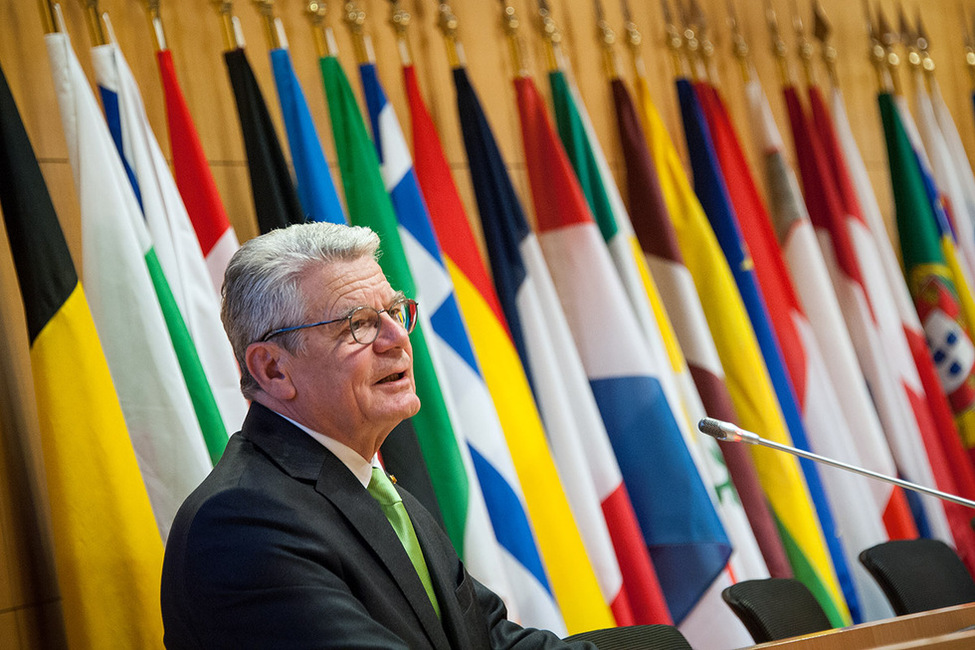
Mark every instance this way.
x=719 y=430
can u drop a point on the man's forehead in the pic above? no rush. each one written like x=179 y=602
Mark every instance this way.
x=350 y=283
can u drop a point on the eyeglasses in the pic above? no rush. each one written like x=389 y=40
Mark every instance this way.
x=364 y=322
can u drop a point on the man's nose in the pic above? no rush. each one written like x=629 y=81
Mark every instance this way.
x=391 y=333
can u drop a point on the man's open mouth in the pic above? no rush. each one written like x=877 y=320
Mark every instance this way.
x=393 y=377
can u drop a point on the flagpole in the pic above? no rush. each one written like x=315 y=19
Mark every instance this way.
x=47 y=16
x=778 y=46
x=155 y=25
x=355 y=20
x=706 y=47
x=400 y=19
x=969 y=47
x=821 y=30
x=95 y=30
x=447 y=22
x=739 y=46
x=607 y=41
x=511 y=24
x=691 y=44
x=266 y=9
x=315 y=10
x=804 y=48
x=225 y=9
x=551 y=35
x=888 y=39
x=675 y=43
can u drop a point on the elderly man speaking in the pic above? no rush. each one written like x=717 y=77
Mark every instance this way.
x=298 y=539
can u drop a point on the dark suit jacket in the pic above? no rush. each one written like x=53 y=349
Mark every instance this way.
x=282 y=547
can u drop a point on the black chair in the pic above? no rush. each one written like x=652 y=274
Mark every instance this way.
x=918 y=575
x=776 y=608
x=635 y=637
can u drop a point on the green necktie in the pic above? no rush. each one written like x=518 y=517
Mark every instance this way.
x=382 y=490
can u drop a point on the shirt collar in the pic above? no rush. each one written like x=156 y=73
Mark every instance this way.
x=359 y=466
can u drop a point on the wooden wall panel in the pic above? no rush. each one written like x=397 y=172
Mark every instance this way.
x=27 y=596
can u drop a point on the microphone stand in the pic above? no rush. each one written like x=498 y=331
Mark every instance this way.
x=727 y=432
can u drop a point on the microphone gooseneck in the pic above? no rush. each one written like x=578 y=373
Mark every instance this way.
x=728 y=432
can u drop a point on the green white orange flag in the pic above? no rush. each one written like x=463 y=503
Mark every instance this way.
x=122 y=274
x=106 y=544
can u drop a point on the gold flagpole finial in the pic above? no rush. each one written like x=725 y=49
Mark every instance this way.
x=778 y=45
x=95 y=30
x=315 y=11
x=155 y=25
x=878 y=54
x=355 y=21
x=633 y=41
x=691 y=43
x=909 y=39
x=706 y=47
x=607 y=39
x=804 y=47
x=266 y=9
x=448 y=23
x=400 y=19
x=889 y=39
x=551 y=34
x=225 y=9
x=923 y=45
x=511 y=25
x=969 y=46
x=821 y=30
x=739 y=46
x=674 y=39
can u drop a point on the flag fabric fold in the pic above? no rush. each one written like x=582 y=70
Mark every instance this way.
x=565 y=400
x=496 y=365
x=275 y=199
x=117 y=254
x=789 y=264
x=745 y=374
x=815 y=400
x=315 y=188
x=932 y=284
x=107 y=549
x=217 y=238
x=656 y=236
x=803 y=248
x=688 y=545
x=209 y=367
x=469 y=404
x=597 y=183
x=815 y=570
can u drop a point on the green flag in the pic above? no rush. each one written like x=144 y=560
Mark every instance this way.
x=369 y=205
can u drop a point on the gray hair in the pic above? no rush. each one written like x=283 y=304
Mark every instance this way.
x=261 y=284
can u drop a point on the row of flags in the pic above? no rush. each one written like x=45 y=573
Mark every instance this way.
x=561 y=376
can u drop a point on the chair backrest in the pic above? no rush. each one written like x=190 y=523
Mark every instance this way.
x=918 y=575
x=635 y=637
x=776 y=608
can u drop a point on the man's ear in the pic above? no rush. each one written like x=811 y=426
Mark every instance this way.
x=267 y=363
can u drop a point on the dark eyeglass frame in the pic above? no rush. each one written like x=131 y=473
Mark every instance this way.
x=410 y=305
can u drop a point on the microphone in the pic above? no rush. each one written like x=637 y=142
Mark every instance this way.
x=728 y=432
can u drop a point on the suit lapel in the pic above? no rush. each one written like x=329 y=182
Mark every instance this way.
x=367 y=517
